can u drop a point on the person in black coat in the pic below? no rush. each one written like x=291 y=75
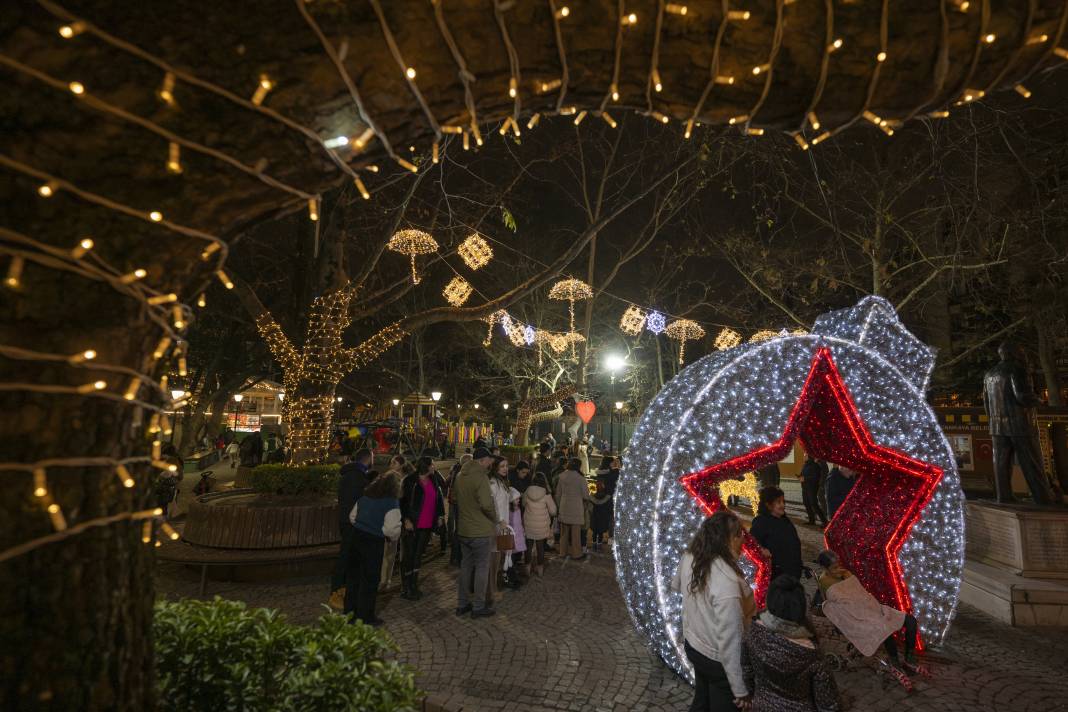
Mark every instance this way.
x=769 y=475
x=812 y=474
x=422 y=506
x=350 y=488
x=776 y=534
x=839 y=484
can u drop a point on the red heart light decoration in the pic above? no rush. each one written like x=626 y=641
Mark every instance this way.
x=585 y=410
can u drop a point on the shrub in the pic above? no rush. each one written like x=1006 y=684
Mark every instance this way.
x=296 y=479
x=222 y=655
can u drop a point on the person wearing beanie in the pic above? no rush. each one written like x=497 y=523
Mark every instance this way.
x=476 y=528
x=781 y=661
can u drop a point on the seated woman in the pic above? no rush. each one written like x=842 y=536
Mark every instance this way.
x=781 y=662
x=861 y=618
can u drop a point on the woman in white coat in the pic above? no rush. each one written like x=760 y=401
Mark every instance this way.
x=499 y=490
x=717 y=607
x=582 y=451
x=538 y=512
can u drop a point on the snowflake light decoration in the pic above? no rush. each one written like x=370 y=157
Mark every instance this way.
x=853 y=392
x=655 y=322
x=530 y=335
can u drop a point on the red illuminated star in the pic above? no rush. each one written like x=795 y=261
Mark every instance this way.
x=873 y=523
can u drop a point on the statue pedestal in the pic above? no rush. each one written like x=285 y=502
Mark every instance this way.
x=1027 y=540
x=1017 y=567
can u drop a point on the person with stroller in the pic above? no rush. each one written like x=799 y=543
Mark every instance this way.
x=860 y=617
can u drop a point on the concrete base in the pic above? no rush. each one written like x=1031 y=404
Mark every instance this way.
x=1012 y=598
x=1026 y=540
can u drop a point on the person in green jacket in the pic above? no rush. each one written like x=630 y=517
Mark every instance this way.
x=476 y=529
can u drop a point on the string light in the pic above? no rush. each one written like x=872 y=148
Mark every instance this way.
x=608 y=119
x=91 y=387
x=72 y=30
x=76 y=88
x=457 y=291
x=1022 y=91
x=475 y=251
x=262 y=88
x=630 y=20
x=881 y=57
x=124 y=476
x=364 y=193
x=533 y=121
x=814 y=121
x=412 y=243
x=40 y=482
x=738 y=15
x=801 y=141
x=47 y=190
x=763 y=335
x=563 y=12
x=155 y=216
x=724 y=79
x=836 y=45
x=224 y=279
x=735 y=402
x=1061 y=52
x=14 y=272
x=59 y=522
x=132 y=277
x=313 y=209
x=174 y=158
x=580 y=117
x=161 y=347
x=676 y=9
x=83 y=356
x=132 y=388
x=84 y=245
x=990 y=38
x=546 y=87
x=166 y=89
x=1038 y=39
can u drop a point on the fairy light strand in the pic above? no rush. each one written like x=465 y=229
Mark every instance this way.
x=467 y=78
x=564 y=73
x=613 y=89
x=513 y=62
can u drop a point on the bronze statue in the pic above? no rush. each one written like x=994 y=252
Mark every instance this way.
x=1010 y=403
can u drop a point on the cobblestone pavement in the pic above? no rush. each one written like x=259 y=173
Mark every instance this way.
x=565 y=642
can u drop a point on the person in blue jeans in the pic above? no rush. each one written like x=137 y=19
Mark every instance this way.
x=375 y=517
x=476 y=529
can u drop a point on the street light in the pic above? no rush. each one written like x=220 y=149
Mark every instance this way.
x=615 y=363
x=612 y=426
x=237 y=409
x=476 y=406
x=435 y=396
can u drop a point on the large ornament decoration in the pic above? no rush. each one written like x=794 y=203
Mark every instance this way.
x=852 y=392
x=458 y=291
x=633 y=321
x=585 y=410
x=412 y=243
x=475 y=251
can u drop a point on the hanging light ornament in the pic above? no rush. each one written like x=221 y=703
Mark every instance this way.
x=655 y=322
x=412 y=243
x=517 y=333
x=457 y=291
x=530 y=334
x=571 y=290
x=799 y=332
x=728 y=339
x=683 y=330
x=633 y=321
x=474 y=251
x=763 y=335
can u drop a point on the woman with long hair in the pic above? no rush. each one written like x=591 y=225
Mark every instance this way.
x=423 y=510
x=781 y=661
x=499 y=490
x=717 y=605
x=572 y=494
x=399 y=468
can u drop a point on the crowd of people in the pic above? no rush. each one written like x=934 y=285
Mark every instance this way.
x=499 y=523
x=772 y=659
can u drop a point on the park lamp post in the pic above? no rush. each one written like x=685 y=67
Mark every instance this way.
x=505 y=406
x=237 y=408
x=396 y=402
x=435 y=396
x=622 y=433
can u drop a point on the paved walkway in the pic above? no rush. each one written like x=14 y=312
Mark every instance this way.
x=566 y=643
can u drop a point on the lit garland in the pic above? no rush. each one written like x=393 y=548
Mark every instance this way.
x=412 y=243
x=633 y=321
x=475 y=251
x=457 y=291
x=683 y=330
x=727 y=339
x=527 y=409
x=763 y=335
x=731 y=405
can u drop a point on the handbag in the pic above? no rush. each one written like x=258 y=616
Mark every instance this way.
x=506 y=541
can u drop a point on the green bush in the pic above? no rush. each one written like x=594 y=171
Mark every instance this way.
x=296 y=479
x=222 y=655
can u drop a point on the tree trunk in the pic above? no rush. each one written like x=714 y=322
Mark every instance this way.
x=1048 y=359
x=310 y=417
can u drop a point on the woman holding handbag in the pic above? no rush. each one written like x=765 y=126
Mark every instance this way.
x=499 y=490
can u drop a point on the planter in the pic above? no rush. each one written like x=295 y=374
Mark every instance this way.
x=243 y=519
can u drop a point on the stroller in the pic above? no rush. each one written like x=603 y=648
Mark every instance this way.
x=843 y=654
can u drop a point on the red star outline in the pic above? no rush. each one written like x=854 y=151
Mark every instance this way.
x=891 y=489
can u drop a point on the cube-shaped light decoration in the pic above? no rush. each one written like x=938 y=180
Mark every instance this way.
x=475 y=251
x=458 y=291
x=633 y=321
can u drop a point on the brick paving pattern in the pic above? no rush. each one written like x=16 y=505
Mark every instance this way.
x=566 y=643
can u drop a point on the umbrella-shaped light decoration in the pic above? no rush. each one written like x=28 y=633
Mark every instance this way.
x=571 y=290
x=475 y=251
x=763 y=335
x=633 y=321
x=684 y=330
x=412 y=243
